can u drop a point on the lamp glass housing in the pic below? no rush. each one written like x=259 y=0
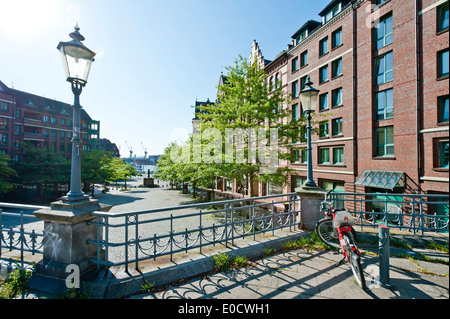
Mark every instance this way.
x=77 y=60
x=308 y=98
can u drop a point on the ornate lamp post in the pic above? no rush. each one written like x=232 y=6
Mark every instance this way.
x=77 y=60
x=308 y=98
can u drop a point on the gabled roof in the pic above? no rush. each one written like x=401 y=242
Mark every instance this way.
x=331 y=5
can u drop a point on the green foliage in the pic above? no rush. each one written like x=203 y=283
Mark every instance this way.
x=74 y=293
x=6 y=174
x=17 y=283
x=309 y=242
x=42 y=165
x=222 y=262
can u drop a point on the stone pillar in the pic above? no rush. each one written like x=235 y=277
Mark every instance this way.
x=67 y=232
x=310 y=213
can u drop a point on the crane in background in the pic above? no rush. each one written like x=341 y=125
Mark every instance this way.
x=145 y=150
x=130 y=149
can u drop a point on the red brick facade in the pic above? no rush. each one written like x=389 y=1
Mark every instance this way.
x=41 y=121
x=391 y=89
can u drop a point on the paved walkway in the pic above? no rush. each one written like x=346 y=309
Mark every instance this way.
x=302 y=274
x=297 y=274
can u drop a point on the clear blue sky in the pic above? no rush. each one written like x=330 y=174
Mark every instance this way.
x=154 y=58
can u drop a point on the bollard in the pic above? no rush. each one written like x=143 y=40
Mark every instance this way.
x=383 y=246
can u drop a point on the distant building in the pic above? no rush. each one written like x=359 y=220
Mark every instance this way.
x=107 y=145
x=44 y=122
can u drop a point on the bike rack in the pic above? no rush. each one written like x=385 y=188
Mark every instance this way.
x=383 y=247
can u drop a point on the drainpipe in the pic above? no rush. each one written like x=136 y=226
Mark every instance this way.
x=355 y=96
x=417 y=38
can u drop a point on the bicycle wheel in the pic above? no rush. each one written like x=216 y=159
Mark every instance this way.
x=355 y=261
x=328 y=233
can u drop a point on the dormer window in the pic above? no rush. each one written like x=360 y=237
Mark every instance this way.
x=332 y=13
x=301 y=37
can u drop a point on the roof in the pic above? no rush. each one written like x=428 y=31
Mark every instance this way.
x=309 y=25
x=380 y=179
x=331 y=5
x=45 y=105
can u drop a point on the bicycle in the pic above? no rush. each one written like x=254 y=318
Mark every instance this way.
x=336 y=231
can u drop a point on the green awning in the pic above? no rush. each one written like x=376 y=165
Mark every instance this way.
x=381 y=179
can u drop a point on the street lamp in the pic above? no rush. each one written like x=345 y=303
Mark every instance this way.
x=308 y=98
x=77 y=60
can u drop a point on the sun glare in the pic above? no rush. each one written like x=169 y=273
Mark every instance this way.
x=24 y=18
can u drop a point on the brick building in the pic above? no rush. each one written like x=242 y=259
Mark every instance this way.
x=382 y=68
x=41 y=121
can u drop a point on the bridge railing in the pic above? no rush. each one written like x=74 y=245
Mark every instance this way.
x=131 y=237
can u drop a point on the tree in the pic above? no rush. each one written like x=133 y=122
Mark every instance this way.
x=96 y=167
x=6 y=174
x=41 y=167
x=121 y=170
x=252 y=112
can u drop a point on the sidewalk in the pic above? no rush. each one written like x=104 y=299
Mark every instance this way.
x=300 y=274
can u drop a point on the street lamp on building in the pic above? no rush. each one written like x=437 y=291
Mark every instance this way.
x=77 y=60
x=308 y=98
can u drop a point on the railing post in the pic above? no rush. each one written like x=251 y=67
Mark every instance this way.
x=226 y=225
x=1 y=231
x=171 y=237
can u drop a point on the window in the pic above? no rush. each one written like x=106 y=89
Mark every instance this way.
x=442 y=17
x=17 y=129
x=323 y=101
x=295 y=111
x=336 y=97
x=383 y=33
x=323 y=74
x=295 y=156
x=303 y=82
x=18 y=114
x=384 y=66
x=378 y=2
x=301 y=37
x=323 y=46
x=295 y=89
x=324 y=156
x=384 y=141
x=336 y=126
x=384 y=105
x=294 y=64
x=53 y=120
x=443 y=109
x=3 y=139
x=338 y=156
x=336 y=38
x=53 y=134
x=303 y=156
x=336 y=68
x=63 y=121
x=332 y=13
x=443 y=63
x=444 y=155
x=304 y=58
x=62 y=147
x=62 y=135
x=3 y=123
x=323 y=129
x=45 y=118
x=4 y=106
x=69 y=122
x=303 y=133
